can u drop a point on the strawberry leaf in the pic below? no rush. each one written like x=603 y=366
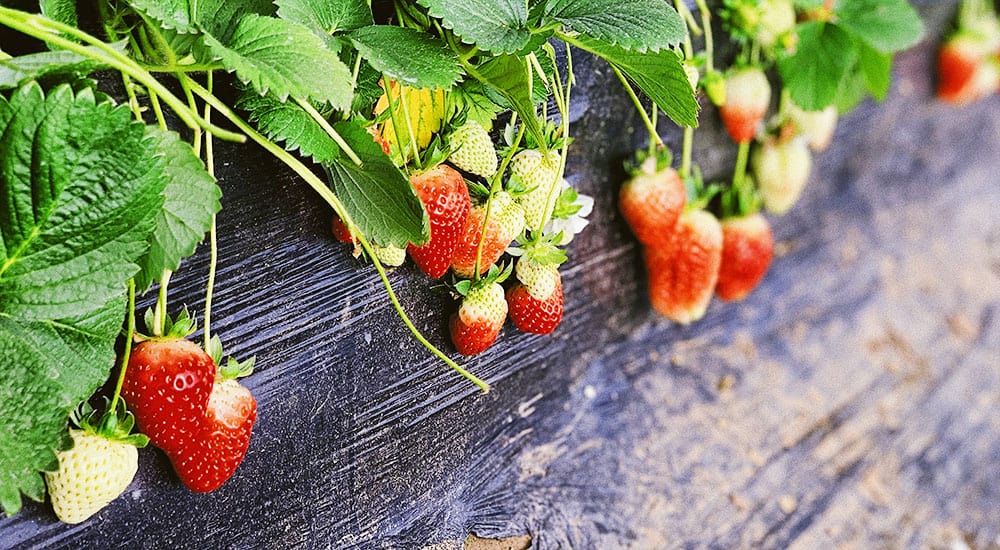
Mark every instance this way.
x=410 y=56
x=632 y=24
x=192 y=199
x=324 y=17
x=508 y=75
x=286 y=121
x=660 y=75
x=63 y=11
x=170 y=14
x=284 y=58
x=824 y=55
x=378 y=197
x=887 y=25
x=19 y=70
x=876 y=70
x=498 y=26
x=80 y=185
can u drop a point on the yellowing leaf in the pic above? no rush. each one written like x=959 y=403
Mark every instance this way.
x=426 y=108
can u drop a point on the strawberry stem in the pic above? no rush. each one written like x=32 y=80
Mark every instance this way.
x=127 y=354
x=160 y=313
x=706 y=24
x=213 y=246
x=561 y=97
x=308 y=108
x=739 y=173
x=409 y=127
x=317 y=185
x=638 y=106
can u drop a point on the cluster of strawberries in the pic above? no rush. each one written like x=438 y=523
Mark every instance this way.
x=969 y=59
x=469 y=232
x=198 y=414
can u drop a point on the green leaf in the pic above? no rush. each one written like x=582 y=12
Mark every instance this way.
x=221 y=18
x=19 y=70
x=378 y=197
x=887 y=25
x=876 y=70
x=632 y=24
x=660 y=75
x=325 y=17
x=79 y=186
x=286 y=121
x=170 y=14
x=284 y=58
x=410 y=56
x=50 y=367
x=63 y=11
x=821 y=61
x=508 y=75
x=499 y=26
x=192 y=199
x=471 y=98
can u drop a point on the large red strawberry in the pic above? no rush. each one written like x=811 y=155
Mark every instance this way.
x=167 y=386
x=747 y=249
x=683 y=272
x=537 y=315
x=505 y=223
x=480 y=317
x=445 y=197
x=209 y=458
x=652 y=200
x=748 y=95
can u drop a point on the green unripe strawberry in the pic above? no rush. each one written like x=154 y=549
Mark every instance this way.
x=473 y=150
x=391 y=256
x=539 y=172
x=91 y=474
x=539 y=279
x=781 y=170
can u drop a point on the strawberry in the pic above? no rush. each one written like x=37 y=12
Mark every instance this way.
x=340 y=230
x=539 y=173
x=781 y=169
x=99 y=466
x=480 y=317
x=167 y=385
x=473 y=150
x=816 y=126
x=219 y=445
x=536 y=303
x=652 y=200
x=965 y=71
x=747 y=248
x=684 y=270
x=747 y=97
x=392 y=256
x=445 y=197
x=505 y=223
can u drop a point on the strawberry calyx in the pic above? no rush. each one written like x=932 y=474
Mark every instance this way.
x=114 y=424
x=233 y=368
x=649 y=163
x=699 y=195
x=740 y=200
x=496 y=274
x=182 y=326
x=545 y=251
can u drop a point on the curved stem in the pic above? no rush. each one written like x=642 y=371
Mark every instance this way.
x=129 y=334
x=409 y=127
x=160 y=312
x=394 y=117
x=326 y=194
x=638 y=105
x=307 y=107
x=739 y=173
x=686 y=151
x=706 y=25
x=213 y=245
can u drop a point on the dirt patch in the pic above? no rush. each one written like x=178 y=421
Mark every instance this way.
x=474 y=542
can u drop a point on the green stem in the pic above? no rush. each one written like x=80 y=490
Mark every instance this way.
x=652 y=144
x=196 y=138
x=686 y=151
x=52 y=32
x=307 y=107
x=213 y=246
x=160 y=313
x=182 y=68
x=326 y=194
x=409 y=127
x=638 y=105
x=394 y=117
x=154 y=100
x=739 y=173
x=133 y=101
x=129 y=334
x=706 y=24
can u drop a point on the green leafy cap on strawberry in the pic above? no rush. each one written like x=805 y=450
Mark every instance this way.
x=233 y=368
x=698 y=193
x=181 y=327
x=496 y=274
x=645 y=162
x=114 y=424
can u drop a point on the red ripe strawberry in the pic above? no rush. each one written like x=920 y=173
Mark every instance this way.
x=445 y=197
x=651 y=201
x=965 y=71
x=207 y=460
x=748 y=95
x=506 y=221
x=167 y=386
x=479 y=319
x=747 y=249
x=340 y=230
x=535 y=315
x=683 y=272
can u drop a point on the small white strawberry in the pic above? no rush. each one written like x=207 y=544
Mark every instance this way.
x=540 y=279
x=781 y=170
x=98 y=468
x=473 y=150
x=392 y=256
x=540 y=175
